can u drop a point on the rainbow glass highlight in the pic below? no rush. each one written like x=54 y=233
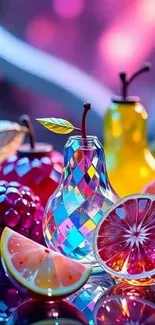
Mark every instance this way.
x=83 y=195
x=86 y=298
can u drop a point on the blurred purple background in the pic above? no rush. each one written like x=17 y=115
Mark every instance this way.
x=98 y=38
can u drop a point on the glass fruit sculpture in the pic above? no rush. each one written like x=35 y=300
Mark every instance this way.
x=83 y=195
x=124 y=240
x=21 y=210
x=124 y=310
x=36 y=165
x=125 y=139
x=39 y=271
x=36 y=312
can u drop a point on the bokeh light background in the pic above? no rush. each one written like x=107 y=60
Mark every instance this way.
x=91 y=42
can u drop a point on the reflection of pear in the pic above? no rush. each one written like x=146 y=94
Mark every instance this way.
x=11 y=137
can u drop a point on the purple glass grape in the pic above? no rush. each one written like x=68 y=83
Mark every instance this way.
x=52 y=313
x=21 y=210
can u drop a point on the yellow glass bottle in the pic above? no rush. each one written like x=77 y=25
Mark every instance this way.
x=130 y=163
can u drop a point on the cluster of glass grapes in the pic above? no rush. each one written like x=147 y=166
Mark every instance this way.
x=21 y=210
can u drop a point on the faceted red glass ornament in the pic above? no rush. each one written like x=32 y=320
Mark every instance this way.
x=37 y=166
x=125 y=241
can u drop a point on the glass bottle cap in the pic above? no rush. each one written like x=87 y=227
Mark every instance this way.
x=128 y=100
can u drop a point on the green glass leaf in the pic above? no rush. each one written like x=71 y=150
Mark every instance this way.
x=57 y=125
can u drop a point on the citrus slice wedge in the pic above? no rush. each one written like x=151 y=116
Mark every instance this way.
x=39 y=269
x=125 y=241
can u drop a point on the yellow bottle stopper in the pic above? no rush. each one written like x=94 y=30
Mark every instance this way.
x=129 y=161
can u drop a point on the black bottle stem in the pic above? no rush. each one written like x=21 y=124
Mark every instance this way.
x=25 y=119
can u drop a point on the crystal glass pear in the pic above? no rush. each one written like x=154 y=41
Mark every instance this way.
x=125 y=141
x=78 y=204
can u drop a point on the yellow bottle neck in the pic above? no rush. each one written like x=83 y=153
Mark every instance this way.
x=125 y=128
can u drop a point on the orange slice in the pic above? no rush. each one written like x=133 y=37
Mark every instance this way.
x=125 y=241
x=39 y=269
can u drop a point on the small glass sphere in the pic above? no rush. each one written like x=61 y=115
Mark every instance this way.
x=21 y=205
x=11 y=218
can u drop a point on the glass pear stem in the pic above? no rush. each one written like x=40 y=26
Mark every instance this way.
x=86 y=108
x=145 y=68
x=125 y=83
x=122 y=76
x=25 y=119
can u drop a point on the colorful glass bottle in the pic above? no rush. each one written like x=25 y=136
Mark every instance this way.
x=83 y=195
x=130 y=163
